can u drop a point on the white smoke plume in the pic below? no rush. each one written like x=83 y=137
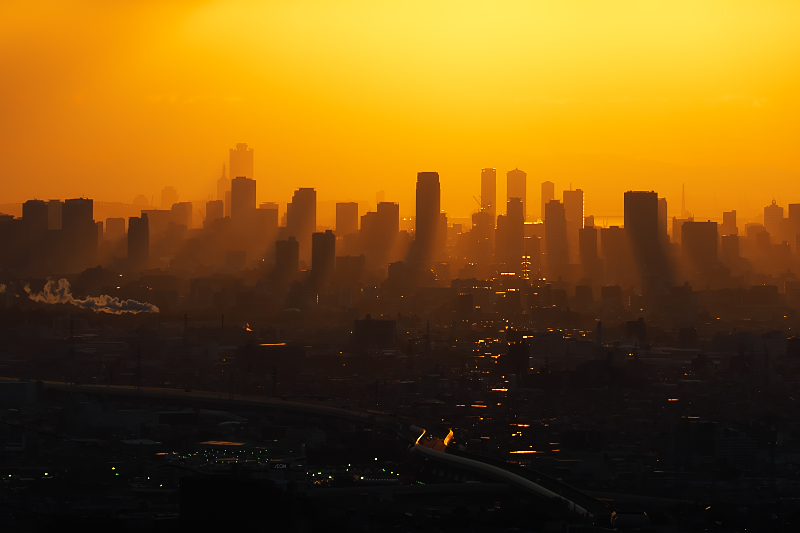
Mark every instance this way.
x=58 y=292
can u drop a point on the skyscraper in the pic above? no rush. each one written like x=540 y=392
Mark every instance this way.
x=489 y=191
x=323 y=258
x=35 y=218
x=699 y=246
x=182 y=214
x=555 y=237
x=548 y=193
x=138 y=242
x=773 y=217
x=287 y=260
x=241 y=161
x=54 y=214
x=728 y=226
x=428 y=219
x=215 y=209
x=516 y=187
x=243 y=196
x=346 y=218
x=223 y=190
x=573 y=210
x=511 y=237
x=662 y=221
x=641 y=226
x=301 y=219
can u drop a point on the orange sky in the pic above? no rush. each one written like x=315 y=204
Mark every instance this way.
x=114 y=99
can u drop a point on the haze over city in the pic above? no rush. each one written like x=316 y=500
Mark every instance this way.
x=115 y=100
x=400 y=266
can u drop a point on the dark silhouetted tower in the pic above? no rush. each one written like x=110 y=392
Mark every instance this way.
x=555 y=239
x=323 y=258
x=55 y=210
x=573 y=210
x=223 y=192
x=346 y=218
x=243 y=197
x=35 y=218
x=641 y=225
x=773 y=218
x=510 y=244
x=517 y=187
x=428 y=219
x=662 y=221
x=728 y=226
x=287 y=259
x=548 y=193
x=699 y=245
x=301 y=219
x=182 y=214
x=587 y=247
x=489 y=191
x=80 y=231
x=138 y=242
x=215 y=209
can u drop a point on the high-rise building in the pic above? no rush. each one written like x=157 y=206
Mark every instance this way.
x=773 y=218
x=54 y=214
x=730 y=250
x=641 y=226
x=138 y=242
x=115 y=228
x=169 y=196
x=301 y=219
x=548 y=193
x=662 y=221
x=35 y=218
x=77 y=213
x=510 y=235
x=241 y=161
x=323 y=258
x=346 y=218
x=243 y=196
x=379 y=231
x=615 y=251
x=482 y=237
x=573 y=210
x=215 y=209
x=489 y=191
x=516 y=187
x=287 y=259
x=427 y=234
x=223 y=190
x=555 y=239
x=587 y=250
x=182 y=214
x=699 y=245
x=728 y=226
x=794 y=224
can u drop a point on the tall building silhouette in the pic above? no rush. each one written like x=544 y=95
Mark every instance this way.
x=323 y=258
x=346 y=218
x=516 y=187
x=241 y=161
x=138 y=242
x=243 y=196
x=510 y=235
x=573 y=210
x=301 y=219
x=699 y=246
x=548 y=193
x=641 y=226
x=182 y=214
x=35 y=218
x=287 y=260
x=587 y=251
x=728 y=226
x=555 y=239
x=55 y=210
x=662 y=221
x=427 y=238
x=489 y=191
x=215 y=210
x=223 y=192
x=773 y=219
x=379 y=232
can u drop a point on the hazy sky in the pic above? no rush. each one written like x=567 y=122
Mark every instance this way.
x=114 y=99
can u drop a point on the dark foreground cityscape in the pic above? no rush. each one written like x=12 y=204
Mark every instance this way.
x=237 y=367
